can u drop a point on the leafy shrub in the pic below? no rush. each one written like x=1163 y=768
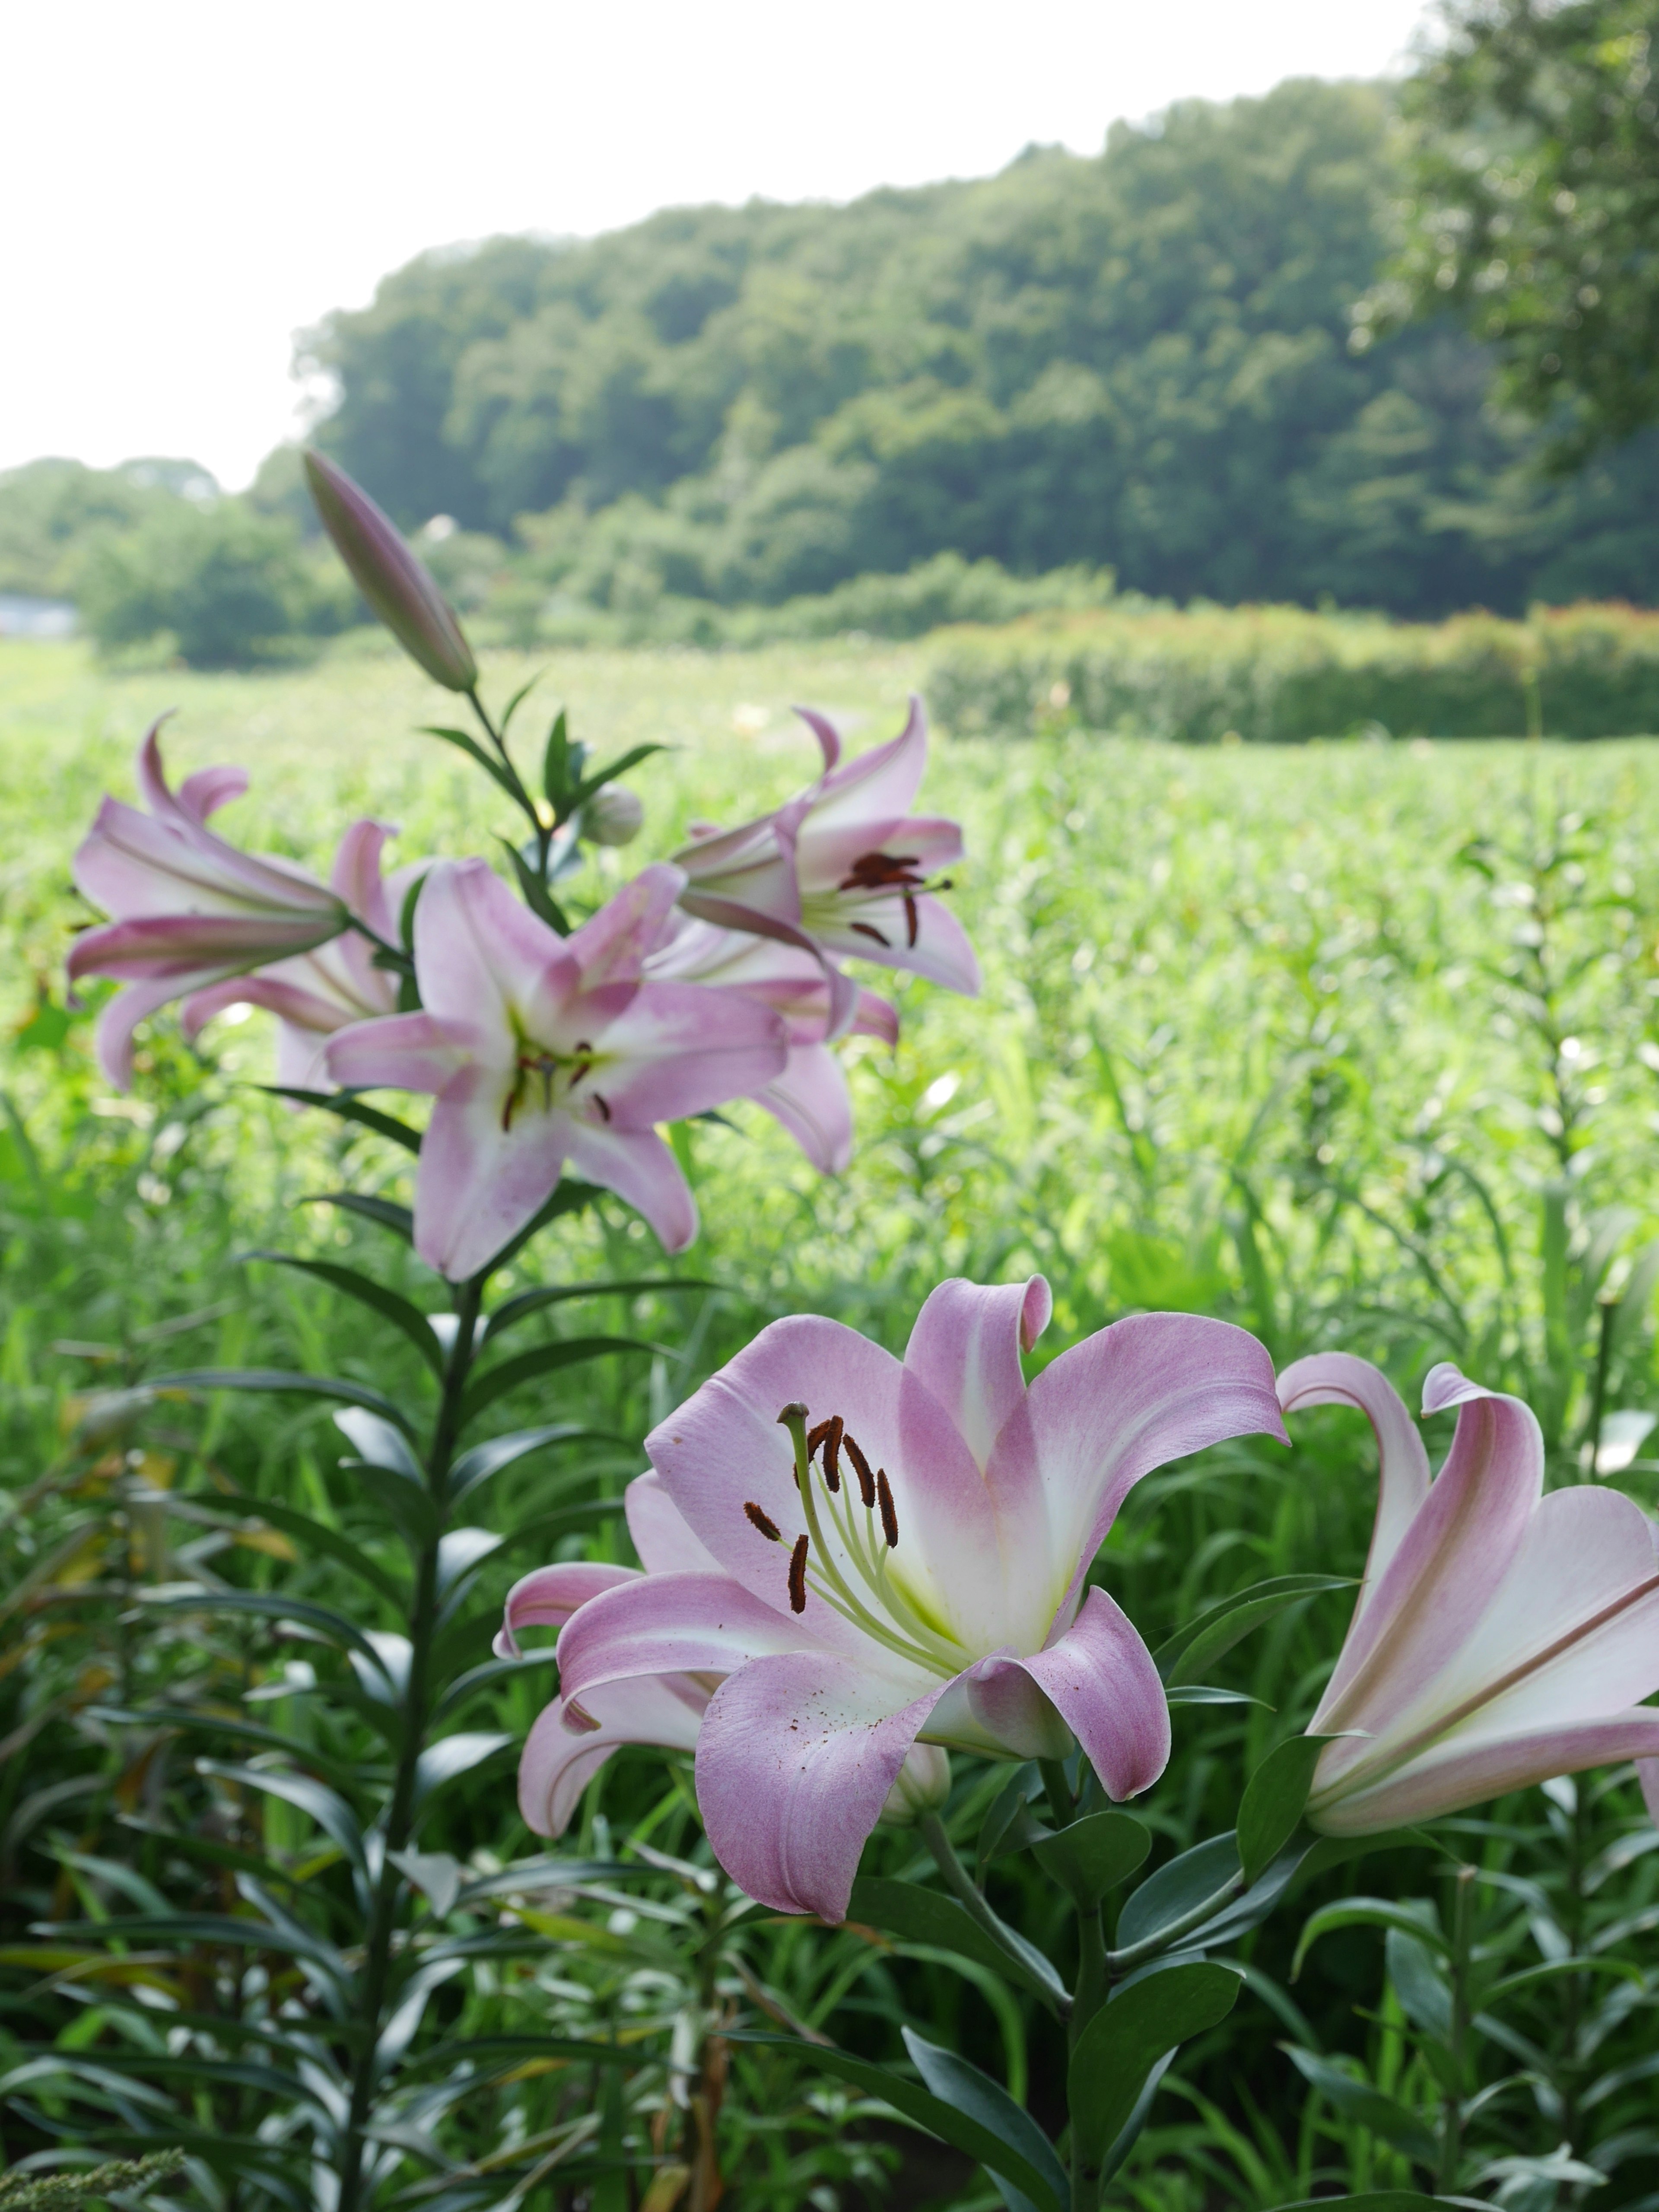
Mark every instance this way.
x=1268 y=674
x=229 y=585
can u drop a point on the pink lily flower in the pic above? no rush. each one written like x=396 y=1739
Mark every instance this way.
x=855 y=1552
x=189 y=909
x=316 y=992
x=810 y=1098
x=543 y=1049
x=1500 y=1637
x=846 y=865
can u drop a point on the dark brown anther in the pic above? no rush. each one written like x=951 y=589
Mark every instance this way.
x=869 y=929
x=861 y=1468
x=911 y=921
x=815 y=1438
x=832 y=1452
x=797 y=1576
x=888 y=1517
x=605 y=1111
x=768 y=1526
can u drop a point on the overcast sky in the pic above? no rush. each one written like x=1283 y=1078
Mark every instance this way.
x=186 y=183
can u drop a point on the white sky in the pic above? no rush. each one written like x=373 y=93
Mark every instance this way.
x=185 y=183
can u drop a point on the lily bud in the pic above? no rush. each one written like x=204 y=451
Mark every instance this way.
x=399 y=586
x=923 y=1785
x=613 y=816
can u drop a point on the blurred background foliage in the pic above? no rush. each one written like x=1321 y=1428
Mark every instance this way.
x=1273 y=350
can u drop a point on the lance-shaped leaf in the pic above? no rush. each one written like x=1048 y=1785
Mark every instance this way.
x=1126 y=2038
x=1092 y=1855
x=453 y=1755
x=954 y=2082
x=396 y=1309
x=966 y=2132
x=917 y=1915
x=1168 y=1898
x=542 y=1359
x=1382 y=2115
x=348 y=1108
x=399 y=586
x=526 y=1303
x=482 y=1461
x=1273 y=1799
x=1188 y=1655
x=384 y=1212
x=325 y=1806
x=278 y=1379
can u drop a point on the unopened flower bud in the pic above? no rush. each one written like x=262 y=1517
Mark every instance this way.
x=923 y=1785
x=397 y=585
x=613 y=815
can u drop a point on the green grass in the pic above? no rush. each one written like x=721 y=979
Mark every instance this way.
x=1256 y=1039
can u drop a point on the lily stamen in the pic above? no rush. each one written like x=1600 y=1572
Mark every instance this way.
x=768 y=1526
x=861 y=1468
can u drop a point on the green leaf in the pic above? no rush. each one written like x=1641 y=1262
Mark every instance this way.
x=268 y=1605
x=384 y=1212
x=1186 y=1655
x=960 y=2129
x=1093 y=1855
x=277 y=1378
x=1372 y=2200
x=481 y=1676
x=535 y=893
x=542 y=1359
x=589 y=784
x=1176 y=1889
x=969 y=2091
x=1359 y=2101
x=325 y=1806
x=1420 y=1921
x=453 y=1755
x=917 y=1915
x=512 y=1311
x=463 y=741
x=1126 y=2038
x=381 y=1444
x=319 y=1538
x=350 y=1108
x=997 y=1831
x=484 y=1459
x=1274 y=1796
x=556 y=760
x=396 y=1309
x=1424 y=1993
x=1206 y=1694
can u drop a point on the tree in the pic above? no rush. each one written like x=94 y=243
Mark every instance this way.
x=1534 y=210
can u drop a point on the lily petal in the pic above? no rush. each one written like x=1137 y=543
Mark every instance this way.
x=965 y=1346
x=1337 y=1378
x=674 y=1624
x=561 y=1759
x=639 y=1167
x=548 y=1596
x=811 y=1100
x=795 y=1759
x=660 y=1532
x=1102 y=1681
x=1466 y=1771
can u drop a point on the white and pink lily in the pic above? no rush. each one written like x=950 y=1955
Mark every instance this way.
x=845 y=866
x=810 y=1098
x=189 y=909
x=542 y=1050
x=855 y=1553
x=1501 y=1637
x=316 y=992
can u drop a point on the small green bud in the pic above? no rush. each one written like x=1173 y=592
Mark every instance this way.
x=397 y=585
x=613 y=816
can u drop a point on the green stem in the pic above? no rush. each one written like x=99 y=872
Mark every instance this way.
x=963 y=1887
x=1451 y=2124
x=1151 y=1946
x=1607 y=1310
x=1062 y=1805
x=400 y=1814
x=519 y=792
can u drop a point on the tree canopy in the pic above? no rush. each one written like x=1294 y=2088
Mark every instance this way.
x=1535 y=207
x=1141 y=359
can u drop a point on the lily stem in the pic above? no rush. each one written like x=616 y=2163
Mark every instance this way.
x=1451 y=2125
x=966 y=1891
x=373 y=1985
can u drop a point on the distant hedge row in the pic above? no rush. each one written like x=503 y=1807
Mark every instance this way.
x=1271 y=675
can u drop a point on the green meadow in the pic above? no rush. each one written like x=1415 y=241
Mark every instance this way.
x=1353 y=1043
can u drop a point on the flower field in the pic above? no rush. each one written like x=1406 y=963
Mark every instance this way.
x=1353 y=1045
